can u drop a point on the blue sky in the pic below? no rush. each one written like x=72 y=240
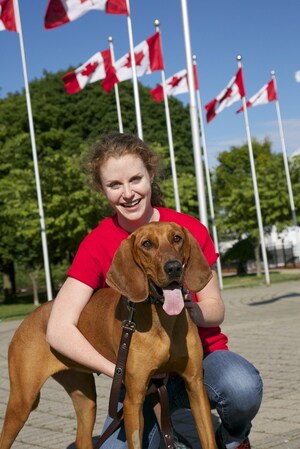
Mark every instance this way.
x=266 y=33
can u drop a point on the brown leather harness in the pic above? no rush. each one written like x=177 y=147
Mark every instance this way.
x=160 y=391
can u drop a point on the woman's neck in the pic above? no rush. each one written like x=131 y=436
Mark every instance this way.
x=131 y=226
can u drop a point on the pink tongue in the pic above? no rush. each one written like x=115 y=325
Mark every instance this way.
x=173 y=303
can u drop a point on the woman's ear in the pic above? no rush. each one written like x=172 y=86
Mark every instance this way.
x=152 y=176
x=197 y=270
x=125 y=275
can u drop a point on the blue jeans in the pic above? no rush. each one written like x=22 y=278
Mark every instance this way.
x=234 y=388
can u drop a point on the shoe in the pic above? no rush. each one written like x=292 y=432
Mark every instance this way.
x=221 y=445
x=219 y=439
x=245 y=444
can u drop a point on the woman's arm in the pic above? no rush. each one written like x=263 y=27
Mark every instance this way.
x=63 y=334
x=209 y=311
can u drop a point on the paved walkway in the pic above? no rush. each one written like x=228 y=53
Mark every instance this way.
x=262 y=324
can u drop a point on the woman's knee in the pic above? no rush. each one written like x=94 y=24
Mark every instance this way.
x=233 y=382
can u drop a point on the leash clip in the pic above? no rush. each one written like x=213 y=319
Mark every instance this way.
x=129 y=325
x=186 y=294
x=131 y=308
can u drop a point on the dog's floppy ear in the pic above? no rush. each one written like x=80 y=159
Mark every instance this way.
x=197 y=270
x=125 y=275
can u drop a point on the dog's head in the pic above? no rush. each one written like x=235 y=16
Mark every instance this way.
x=155 y=259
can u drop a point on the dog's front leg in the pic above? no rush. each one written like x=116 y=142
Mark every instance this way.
x=201 y=410
x=133 y=412
x=134 y=420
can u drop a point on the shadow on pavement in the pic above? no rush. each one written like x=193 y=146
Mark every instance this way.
x=277 y=298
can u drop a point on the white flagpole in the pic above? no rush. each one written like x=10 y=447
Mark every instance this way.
x=117 y=97
x=134 y=76
x=256 y=194
x=208 y=181
x=285 y=159
x=35 y=159
x=169 y=130
x=194 y=118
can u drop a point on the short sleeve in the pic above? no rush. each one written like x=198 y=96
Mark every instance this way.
x=86 y=266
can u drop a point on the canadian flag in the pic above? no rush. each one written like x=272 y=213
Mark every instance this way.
x=60 y=12
x=7 y=16
x=175 y=85
x=233 y=92
x=93 y=70
x=148 y=58
x=265 y=95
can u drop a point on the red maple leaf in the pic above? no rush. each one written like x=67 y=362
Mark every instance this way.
x=90 y=68
x=175 y=81
x=227 y=94
x=138 y=59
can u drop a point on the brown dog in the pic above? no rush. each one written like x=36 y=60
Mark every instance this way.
x=153 y=261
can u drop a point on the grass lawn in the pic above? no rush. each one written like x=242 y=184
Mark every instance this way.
x=24 y=305
x=21 y=306
x=15 y=311
x=251 y=280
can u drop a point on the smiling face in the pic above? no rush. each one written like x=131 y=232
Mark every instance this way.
x=126 y=184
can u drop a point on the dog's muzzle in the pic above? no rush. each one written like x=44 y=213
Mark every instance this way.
x=173 y=269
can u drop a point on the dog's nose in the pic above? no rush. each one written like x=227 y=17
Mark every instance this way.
x=173 y=268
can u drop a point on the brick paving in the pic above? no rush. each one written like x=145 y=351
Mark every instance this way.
x=262 y=324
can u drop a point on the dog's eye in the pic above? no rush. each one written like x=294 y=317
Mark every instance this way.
x=177 y=238
x=147 y=244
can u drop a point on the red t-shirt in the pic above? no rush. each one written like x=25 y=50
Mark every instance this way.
x=96 y=251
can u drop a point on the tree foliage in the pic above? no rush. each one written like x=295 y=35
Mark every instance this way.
x=234 y=191
x=65 y=127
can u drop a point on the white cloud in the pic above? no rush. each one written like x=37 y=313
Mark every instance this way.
x=260 y=131
x=291 y=131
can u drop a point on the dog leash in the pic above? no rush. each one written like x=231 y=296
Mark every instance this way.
x=128 y=328
x=166 y=427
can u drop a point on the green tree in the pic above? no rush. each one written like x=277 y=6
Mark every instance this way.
x=186 y=183
x=234 y=194
x=65 y=127
x=294 y=167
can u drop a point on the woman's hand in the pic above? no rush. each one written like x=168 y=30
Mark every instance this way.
x=209 y=309
x=194 y=311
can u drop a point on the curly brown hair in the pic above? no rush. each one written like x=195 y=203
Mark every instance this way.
x=117 y=145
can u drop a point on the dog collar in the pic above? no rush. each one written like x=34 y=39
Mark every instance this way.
x=153 y=300
x=159 y=298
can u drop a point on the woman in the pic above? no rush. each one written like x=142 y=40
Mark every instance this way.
x=123 y=168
